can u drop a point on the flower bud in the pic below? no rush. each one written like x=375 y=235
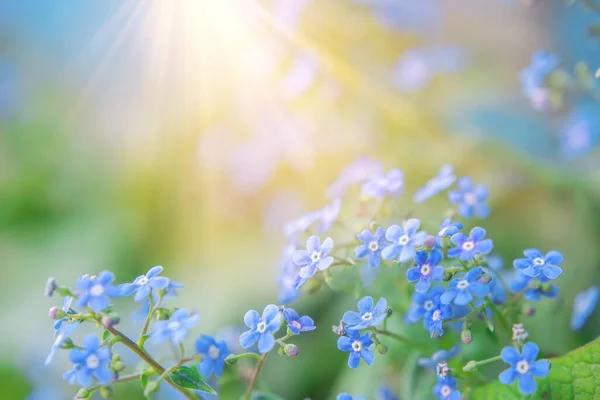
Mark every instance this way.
x=83 y=394
x=231 y=359
x=471 y=365
x=162 y=314
x=110 y=320
x=280 y=351
x=67 y=344
x=55 y=313
x=382 y=349
x=442 y=369
x=118 y=366
x=50 y=287
x=430 y=241
x=291 y=350
x=519 y=333
x=465 y=336
x=529 y=310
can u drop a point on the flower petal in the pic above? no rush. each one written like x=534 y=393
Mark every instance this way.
x=390 y=252
x=530 y=352
x=251 y=318
x=463 y=297
x=327 y=246
x=473 y=274
x=479 y=289
x=510 y=356
x=406 y=253
x=154 y=271
x=411 y=226
x=527 y=384
x=325 y=263
x=551 y=271
x=159 y=283
x=413 y=274
x=344 y=343
x=266 y=342
x=554 y=257
x=367 y=355
x=353 y=359
x=393 y=233
x=477 y=234
x=365 y=304
x=248 y=338
x=484 y=247
x=533 y=253
x=508 y=376
x=423 y=285
x=448 y=295
x=435 y=257
x=540 y=368
x=301 y=257
x=313 y=243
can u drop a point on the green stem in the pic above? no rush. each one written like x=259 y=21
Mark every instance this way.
x=393 y=335
x=259 y=366
x=472 y=365
x=148 y=318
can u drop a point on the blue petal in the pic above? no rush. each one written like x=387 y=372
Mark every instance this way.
x=301 y=257
x=435 y=257
x=411 y=226
x=251 y=318
x=99 y=303
x=127 y=289
x=104 y=375
x=533 y=271
x=551 y=271
x=365 y=236
x=248 y=338
x=510 y=356
x=553 y=257
x=533 y=253
x=266 y=342
x=530 y=352
x=361 y=251
x=205 y=367
x=418 y=239
x=344 y=343
x=437 y=273
x=477 y=234
x=508 y=376
x=365 y=304
x=413 y=274
x=473 y=274
x=367 y=356
x=154 y=271
x=479 y=289
x=78 y=356
x=313 y=243
x=458 y=238
x=462 y=298
x=308 y=271
x=406 y=253
x=84 y=377
x=454 y=252
x=421 y=257
x=484 y=247
x=522 y=263
x=353 y=359
x=159 y=283
x=352 y=318
x=374 y=259
x=105 y=277
x=448 y=295
x=527 y=384
x=393 y=233
x=380 y=307
x=325 y=263
x=290 y=315
x=326 y=247
x=91 y=343
x=423 y=285
x=540 y=368
x=390 y=252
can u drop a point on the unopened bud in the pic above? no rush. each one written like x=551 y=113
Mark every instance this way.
x=231 y=359
x=382 y=349
x=55 y=313
x=529 y=310
x=291 y=350
x=67 y=344
x=162 y=314
x=442 y=369
x=110 y=320
x=519 y=333
x=466 y=336
x=389 y=311
x=118 y=366
x=471 y=365
x=83 y=394
x=430 y=241
x=50 y=287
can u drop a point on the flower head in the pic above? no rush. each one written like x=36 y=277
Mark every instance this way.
x=61 y=334
x=213 y=353
x=422 y=303
x=442 y=181
x=372 y=245
x=367 y=315
x=435 y=316
x=403 y=241
x=448 y=228
x=145 y=285
x=537 y=263
x=439 y=357
x=380 y=185
x=91 y=361
x=427 y=269
x=580 y=132
x=524 y=367
x=533 y=78
x=96 y=292
x=385 y=392
x=471 y=199
x=314 y=257
x=357 y=346
x=445 y=389
x=583 y=306
x=176 y=328
x=468 y=247
x=262 y=329
x=462 y=290
x=534 y=289
x=297 y=324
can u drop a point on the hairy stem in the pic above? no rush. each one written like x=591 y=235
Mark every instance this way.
x=259 y=366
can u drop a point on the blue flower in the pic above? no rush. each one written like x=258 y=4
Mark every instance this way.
x=583 y=306
x=445 y=389
x=534 y=289
x=524 y=367
x=442 y=181
x=288 y=278
x=427 y=270
x=91 y=361
x=468 y=247
x=448 y=228
x=144 y=285
x=536 y=263
x=314 y=257
x=346 y=396
x=533 y=78
x=368 y=315
x=372 y=246
x=421 y=303
x=61 y=334
x=96 y=292
x=462 y=290
x=470 y=199
x=380 y=185
x=435 y=316
x=385 y=392
x=297 y=324
x=292 y=228
x=403 y=241
x=438 y=357
x=176 y=328
x=357 y=346
x=261 y=329
x=357 y=171
x=580 y=132
x=214 y=355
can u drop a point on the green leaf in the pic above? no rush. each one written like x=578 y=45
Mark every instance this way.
x=575 y=375
x=144 y=379
x=105 y=335
x=189 y=378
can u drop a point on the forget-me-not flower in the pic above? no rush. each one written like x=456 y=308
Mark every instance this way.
x=524 y=367
x=372 y=245
x=96 y=292
x=91 y=361
x=442 y=181
x=533 y=78
x=471 y=199
x=314 y=257
x=262 y=329
x=403 y=241
x=380 y=185
x=537 y=263
x=445 y=389
x=427 y=270
x=435 y=316
x=438 y=357
x=583 y=306
x=61 y=334
x=176 y=328
x=147 y=284
x=422 y=303
x=448 y=228
x=213 y=353
x=462 y=290
x=385 y=392
x=534 y=289
x=296 y=323
x=581 y=131
x=468 y=247
x=368 y=314
x=357 y=346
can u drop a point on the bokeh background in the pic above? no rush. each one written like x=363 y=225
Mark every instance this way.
x=186 y=133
